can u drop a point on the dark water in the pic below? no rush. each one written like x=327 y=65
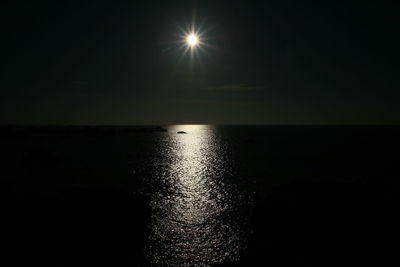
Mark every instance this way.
x=243 y=195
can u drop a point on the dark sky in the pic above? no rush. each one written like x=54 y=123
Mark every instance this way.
x=266 y=62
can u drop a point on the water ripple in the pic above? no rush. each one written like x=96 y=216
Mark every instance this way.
x=194 y=220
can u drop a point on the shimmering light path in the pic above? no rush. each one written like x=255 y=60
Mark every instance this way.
x=194 y=220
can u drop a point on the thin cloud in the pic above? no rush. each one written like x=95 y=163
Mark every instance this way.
x=236 y=87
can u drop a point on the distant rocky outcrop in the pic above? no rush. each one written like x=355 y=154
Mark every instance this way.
x=23 y=131
x=149 y=129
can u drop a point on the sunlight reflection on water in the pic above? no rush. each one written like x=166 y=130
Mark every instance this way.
x=193 y=206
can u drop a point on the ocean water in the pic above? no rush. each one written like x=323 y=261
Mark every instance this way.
x=196 y=204
x=215 y=195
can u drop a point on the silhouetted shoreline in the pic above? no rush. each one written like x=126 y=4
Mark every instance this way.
x=76 y=129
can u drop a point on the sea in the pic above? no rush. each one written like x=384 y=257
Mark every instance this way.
x=200 y=195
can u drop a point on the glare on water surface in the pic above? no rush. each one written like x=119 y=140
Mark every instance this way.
x=191 y=222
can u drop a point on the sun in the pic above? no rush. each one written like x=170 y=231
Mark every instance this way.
x=192 y=40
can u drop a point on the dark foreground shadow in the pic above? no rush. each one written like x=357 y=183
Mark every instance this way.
x=325 y=224
x=342 y=208
x=77 y=227
x=319 y=224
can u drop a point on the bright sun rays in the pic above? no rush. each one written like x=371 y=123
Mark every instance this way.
x=192 y=40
